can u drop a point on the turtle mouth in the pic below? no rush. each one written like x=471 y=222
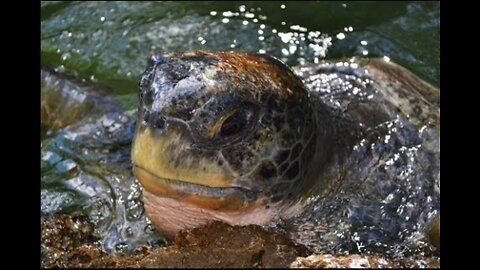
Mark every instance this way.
x=218 y=198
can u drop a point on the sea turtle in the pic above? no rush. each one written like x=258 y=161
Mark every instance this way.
x=343 y=155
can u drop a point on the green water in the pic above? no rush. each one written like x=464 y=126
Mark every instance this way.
x=109 y=42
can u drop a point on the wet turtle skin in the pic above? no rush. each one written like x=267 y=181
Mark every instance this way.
x=349 y=149
x=388 y=187
x=360 y=139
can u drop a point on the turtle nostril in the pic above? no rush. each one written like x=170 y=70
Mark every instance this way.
x=154 y=119
x=146 y=117
x=159 y=122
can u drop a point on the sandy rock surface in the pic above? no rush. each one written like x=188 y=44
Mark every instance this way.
x=70 y=242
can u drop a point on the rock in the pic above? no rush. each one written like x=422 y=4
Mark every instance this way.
x=217 y=244
x=363 y=261
x=221 y=245
x=70 y=242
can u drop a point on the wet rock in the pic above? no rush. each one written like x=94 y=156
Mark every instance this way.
x=60 y=234
x=66 y=244
x=64 y=232
x=221 y=245
x=70 y=242
x=363 y=261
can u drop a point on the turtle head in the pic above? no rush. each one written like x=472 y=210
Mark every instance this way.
x=222 y=133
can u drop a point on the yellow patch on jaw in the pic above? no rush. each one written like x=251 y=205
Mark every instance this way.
x=149 y=151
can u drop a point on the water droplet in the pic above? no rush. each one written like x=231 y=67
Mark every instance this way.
x=121 y=247
x=292 y=49
x=249 y=15
x=149 y=228
x=225 y=20
x=340 y=35
x=134 y=209
x=66 y=56
x=282 y=6
x=60 y=68
x=245 y=22
x=102 y=19
x=285 y=37
x=227 y=14
x=213 y=13
x=129 y=231
x=298 y=28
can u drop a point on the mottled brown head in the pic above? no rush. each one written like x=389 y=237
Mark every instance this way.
x=224 y=131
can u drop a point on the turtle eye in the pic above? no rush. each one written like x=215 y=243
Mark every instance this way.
x=233 y=124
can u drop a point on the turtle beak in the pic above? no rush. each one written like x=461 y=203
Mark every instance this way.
x=167 y=164
x=215 y=198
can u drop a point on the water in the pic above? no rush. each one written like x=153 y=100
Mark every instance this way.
x=109 y=43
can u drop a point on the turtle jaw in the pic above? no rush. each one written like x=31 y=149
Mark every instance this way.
x=174 y=205
x=214 y=198
x=167 y=165
x=185 y=187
